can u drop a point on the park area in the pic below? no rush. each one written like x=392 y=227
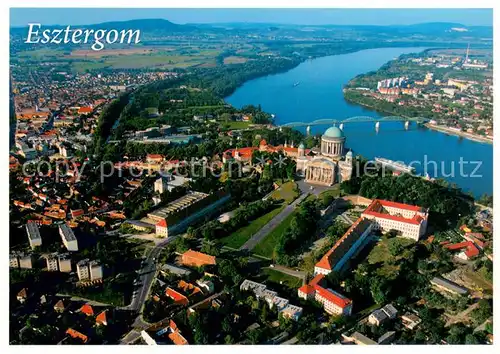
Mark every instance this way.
x=290 y=281
x=387 y=252
x=287 y=192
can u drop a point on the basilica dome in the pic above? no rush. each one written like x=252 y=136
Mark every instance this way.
x=333 y=132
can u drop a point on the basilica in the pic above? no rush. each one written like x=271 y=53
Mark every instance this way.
x=325 y=166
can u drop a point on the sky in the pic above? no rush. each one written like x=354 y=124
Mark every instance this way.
x=83 y=16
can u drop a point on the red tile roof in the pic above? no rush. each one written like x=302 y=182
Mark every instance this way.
x=387 y=203
x=177 y=338
x=356 y=229
x=102 y=318
x=197 y=259
x=377 y=206
x=176 y=296
x=87 y=309
x=75 y=334
x=335 y=298
x=314 y=286
x=458 y=246
x=162 y=223
x=245 y=152
x=85 y=110
x=471 y=252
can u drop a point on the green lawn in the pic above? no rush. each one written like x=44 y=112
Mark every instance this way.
x=288 y=192
x=239 y=237
x=334 y=192
x=277 y=277
x=381 y=255
x=265 y=247
x=236 y=125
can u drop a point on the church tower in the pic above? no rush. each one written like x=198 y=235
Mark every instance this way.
x=301 y=150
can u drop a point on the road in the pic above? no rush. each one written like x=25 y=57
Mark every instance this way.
x=271 y=225
x=462 y=316
x=146 y=276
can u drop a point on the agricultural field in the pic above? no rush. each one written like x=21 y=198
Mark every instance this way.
x=235 y=60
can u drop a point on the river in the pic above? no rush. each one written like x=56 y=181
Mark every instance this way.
x=319 y=95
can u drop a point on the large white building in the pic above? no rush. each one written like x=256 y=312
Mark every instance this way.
x=409 y=220
x=33 y=232
x=68 y=237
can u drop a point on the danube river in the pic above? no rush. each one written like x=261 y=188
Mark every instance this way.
x=313 y=90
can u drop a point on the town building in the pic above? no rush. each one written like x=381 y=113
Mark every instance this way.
x=64 y=263
x=327 y=168
x=197 y=259
x=95 y=270
x=13 y=261
x=52 y=264
x=25 y=261
x=345 y=248
x=379 y=316
x=89 y=270
x=33 y=232
x=162 y=228
x=68 y=237
x=272 y=299
x=449 y=286
x=82 y=269
x=410 y=320
x=359 y=339
x=177 y=297
x=409 y=220
x=22 y=295
x=333 y=302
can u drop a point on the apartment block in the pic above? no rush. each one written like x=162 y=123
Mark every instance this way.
x=33 y=232
x=68 y=237
x=89 y=270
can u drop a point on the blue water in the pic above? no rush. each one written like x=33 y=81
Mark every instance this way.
x=319 y=95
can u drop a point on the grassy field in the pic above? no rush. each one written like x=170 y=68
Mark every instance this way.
x=128 y=58
x=265 y=247
x=235 y=60
x=278 y=278
x=236 y=125
x=238 y=238
x=381 y=255
x=334 y=192
x=288 y=192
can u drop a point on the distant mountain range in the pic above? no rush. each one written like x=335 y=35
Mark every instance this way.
x=164 y=26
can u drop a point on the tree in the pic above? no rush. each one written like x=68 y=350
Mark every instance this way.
x=395 y=247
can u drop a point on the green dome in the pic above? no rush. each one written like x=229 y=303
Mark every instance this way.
x=334 y=132
x=301 y=146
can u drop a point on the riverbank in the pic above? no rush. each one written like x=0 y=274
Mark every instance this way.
x=440 y=128
x=446 y=130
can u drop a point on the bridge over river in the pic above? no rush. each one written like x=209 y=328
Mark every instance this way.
x=357 y=119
